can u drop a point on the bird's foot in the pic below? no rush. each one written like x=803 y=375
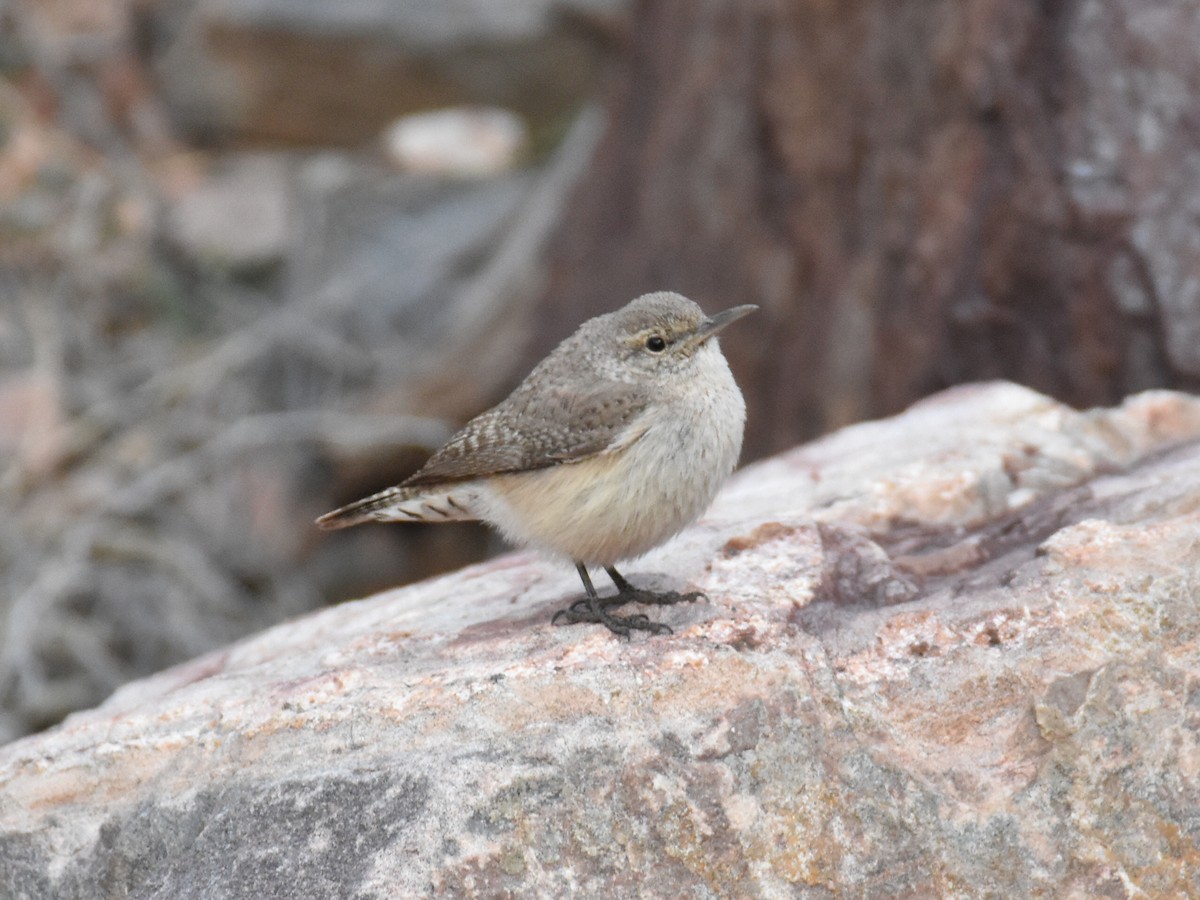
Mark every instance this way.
x=633 y=595
x=627 y=593
x=583 y=612
x=594 y=609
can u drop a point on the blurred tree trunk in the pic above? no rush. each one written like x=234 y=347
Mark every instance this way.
x=917 y=194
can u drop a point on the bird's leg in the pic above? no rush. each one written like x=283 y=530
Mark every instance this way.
x=591 y=609
x=627 y=593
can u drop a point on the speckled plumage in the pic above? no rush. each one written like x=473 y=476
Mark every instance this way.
x=606 y=449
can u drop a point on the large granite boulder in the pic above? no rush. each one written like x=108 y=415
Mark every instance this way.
x=954 y=653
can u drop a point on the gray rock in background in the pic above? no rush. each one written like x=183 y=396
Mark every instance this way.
x=947 y=654
x=335 y=73
x=393 y=245
x=238 y=218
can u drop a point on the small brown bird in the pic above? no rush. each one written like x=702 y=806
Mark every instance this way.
x=614 y=443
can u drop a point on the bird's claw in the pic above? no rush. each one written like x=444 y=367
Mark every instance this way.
x=594 y=609
x=579 y=612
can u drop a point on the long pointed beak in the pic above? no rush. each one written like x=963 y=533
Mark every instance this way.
x=713 y=324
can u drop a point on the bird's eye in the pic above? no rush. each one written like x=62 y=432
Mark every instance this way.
x=656 y=344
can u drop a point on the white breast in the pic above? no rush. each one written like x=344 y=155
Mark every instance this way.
x=618 y=505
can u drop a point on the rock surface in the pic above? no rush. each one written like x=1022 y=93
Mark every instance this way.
x=238 y=217
x=463 y=142
x=316 y=73
x=954 y=653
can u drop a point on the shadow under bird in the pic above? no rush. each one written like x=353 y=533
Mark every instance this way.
x=615 y=442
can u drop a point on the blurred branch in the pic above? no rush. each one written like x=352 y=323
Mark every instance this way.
x=348 y=433
x=169 y=412
x=296 y=325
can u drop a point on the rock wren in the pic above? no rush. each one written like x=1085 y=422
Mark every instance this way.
x=614 y=443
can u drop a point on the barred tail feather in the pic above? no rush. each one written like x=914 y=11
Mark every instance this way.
x=406 y=504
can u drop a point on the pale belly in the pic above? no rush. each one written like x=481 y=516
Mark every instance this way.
x=617 y=506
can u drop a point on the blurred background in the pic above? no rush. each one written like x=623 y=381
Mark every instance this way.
x=259 y=257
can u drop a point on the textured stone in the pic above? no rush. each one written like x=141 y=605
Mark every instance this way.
x=953 y=653
x=459 y=142
x=237 y=217
x=389 y=243
x=317 y=73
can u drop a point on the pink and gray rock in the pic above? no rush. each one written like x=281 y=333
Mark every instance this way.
x=954 y=653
